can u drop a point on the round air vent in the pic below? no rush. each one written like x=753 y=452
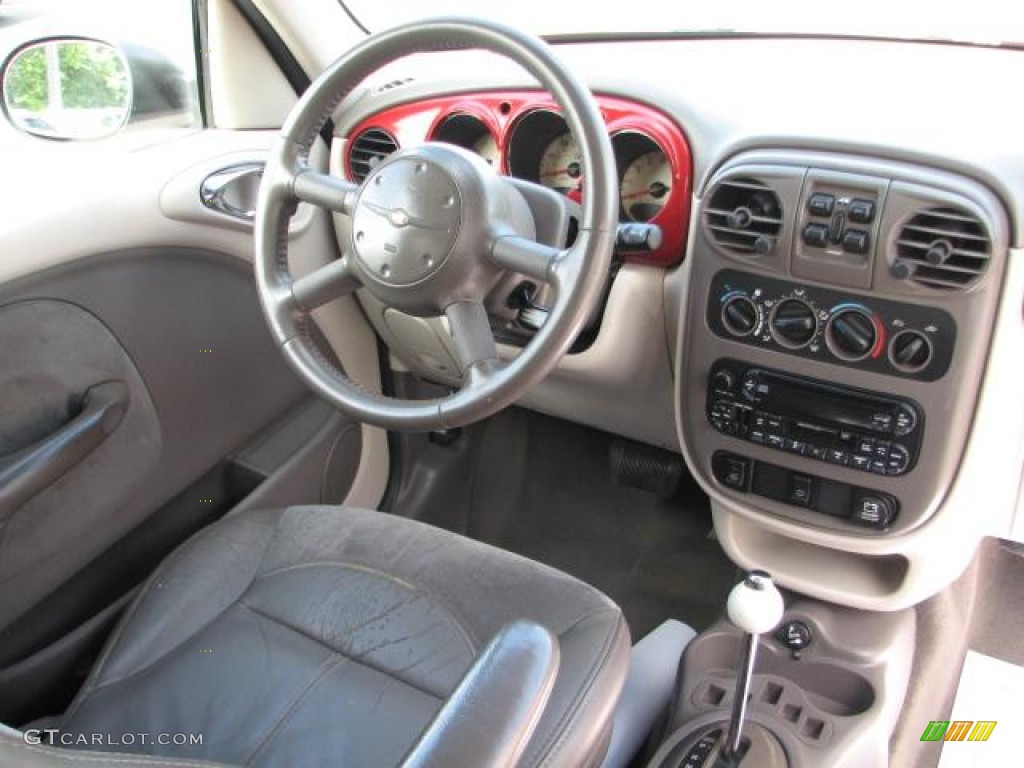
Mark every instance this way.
x=744 y=216
x=367 y=149
x=944 y=248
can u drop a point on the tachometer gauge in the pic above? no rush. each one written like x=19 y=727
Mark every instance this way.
x=561 y=165
x=645 y=186
x=487 y=148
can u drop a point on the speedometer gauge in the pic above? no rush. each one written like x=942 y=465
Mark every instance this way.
x=645 y=186
x=561 y=165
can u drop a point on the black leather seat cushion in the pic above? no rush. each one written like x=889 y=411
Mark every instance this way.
x=331 y=636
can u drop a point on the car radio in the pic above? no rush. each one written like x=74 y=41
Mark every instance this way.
x=823 y=421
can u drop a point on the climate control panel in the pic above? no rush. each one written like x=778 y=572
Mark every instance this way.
x=900 y=339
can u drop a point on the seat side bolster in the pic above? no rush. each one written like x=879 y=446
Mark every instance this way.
x=489 y=718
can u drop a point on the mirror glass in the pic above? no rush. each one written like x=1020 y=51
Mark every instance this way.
x=68 y=89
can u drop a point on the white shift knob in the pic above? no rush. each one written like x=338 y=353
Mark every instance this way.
x=755 y=605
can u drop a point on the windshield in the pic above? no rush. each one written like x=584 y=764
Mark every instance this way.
x=992 y=22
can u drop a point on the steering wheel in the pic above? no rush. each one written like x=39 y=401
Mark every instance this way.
x=434 y=227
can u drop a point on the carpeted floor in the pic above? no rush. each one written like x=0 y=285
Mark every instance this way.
x=541 y=487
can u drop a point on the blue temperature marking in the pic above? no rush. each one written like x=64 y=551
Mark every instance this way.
x=850 y=305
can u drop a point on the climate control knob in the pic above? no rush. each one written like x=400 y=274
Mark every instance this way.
x=910 y=351
x=851 y=333
x=740 y=315
x=793 y=323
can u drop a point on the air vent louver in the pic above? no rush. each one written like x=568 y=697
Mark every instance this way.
x=367 y=149
x=744 y=216
x=943 y=248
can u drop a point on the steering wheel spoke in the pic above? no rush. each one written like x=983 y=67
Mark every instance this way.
x=527 y=257
x=325 y=191
x=325 y=284
x=475 y=350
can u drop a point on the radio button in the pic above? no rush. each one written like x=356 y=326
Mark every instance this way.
x=749 y=386
x=863 y=463
x=882 y=422
x=774 y=422
x=758 y=436
x=866 y=446
x=899 y=460
x=723 y=381
x=776 y=441
x=819 y=452
x=723 y=412
x=838 y=456
x=882 y=449
x=906 y=420
x=796 y=446
x=879 y=468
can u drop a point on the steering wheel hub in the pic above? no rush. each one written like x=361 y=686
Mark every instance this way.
x=406 y=220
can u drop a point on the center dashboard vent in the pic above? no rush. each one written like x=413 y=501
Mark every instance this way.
x=744 y=216
x=367 y=150
x=943 y=248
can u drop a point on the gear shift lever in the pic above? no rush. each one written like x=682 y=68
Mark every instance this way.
x=755 y=606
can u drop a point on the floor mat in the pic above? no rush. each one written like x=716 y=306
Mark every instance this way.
x=541 y=487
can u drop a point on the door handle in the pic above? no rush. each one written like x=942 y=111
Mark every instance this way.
x=27 y=472
x=233 y=190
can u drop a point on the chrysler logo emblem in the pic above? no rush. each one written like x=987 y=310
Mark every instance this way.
x=400 y=218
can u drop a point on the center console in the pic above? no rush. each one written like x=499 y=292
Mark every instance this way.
x=830 y=351
x=827 y=689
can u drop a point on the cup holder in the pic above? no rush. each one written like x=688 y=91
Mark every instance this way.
x=833 y=689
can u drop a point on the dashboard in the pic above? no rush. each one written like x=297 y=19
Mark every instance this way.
x=828 y=330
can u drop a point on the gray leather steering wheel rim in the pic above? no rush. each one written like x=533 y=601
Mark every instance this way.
x=577 y=274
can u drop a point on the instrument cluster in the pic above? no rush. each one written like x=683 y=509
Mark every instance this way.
x=524 y=135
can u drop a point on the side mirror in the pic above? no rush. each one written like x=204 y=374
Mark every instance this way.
x=67 y=88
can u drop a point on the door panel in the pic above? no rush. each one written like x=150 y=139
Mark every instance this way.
x=126 y=240
x=54 y=352
x=190 y=320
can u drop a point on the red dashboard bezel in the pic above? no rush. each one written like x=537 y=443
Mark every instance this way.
x=501 y=110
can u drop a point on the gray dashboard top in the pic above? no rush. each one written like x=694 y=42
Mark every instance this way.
x=946 y=106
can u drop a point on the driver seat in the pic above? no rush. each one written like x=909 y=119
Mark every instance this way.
x=316 y=636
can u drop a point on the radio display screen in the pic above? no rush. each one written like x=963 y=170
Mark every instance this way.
x=820 y=404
